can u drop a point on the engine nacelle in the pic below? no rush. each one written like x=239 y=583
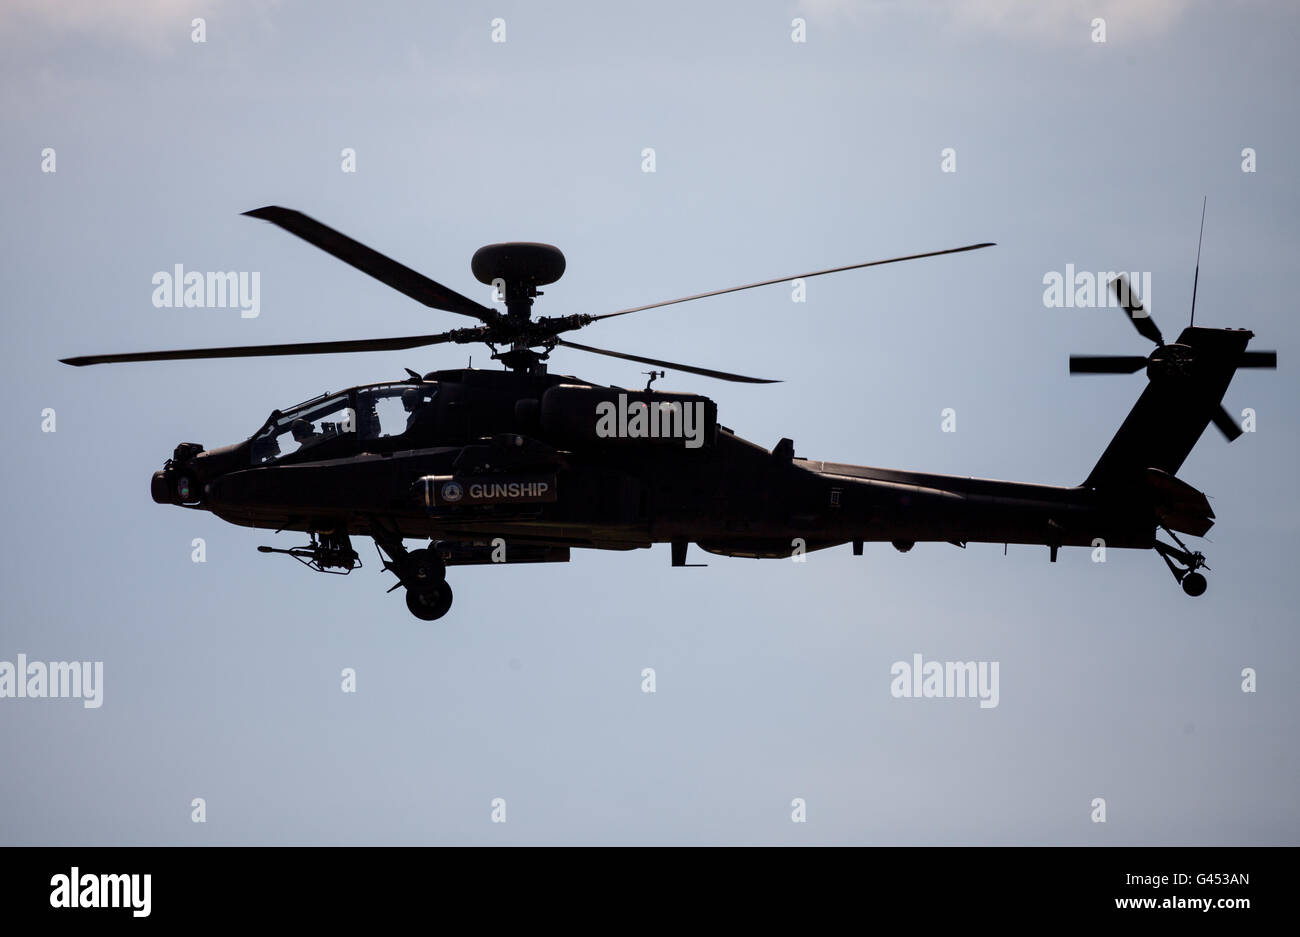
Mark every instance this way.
x=580 y=413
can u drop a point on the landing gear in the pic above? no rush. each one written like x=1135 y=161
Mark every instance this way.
x=423 y=568
x=1193 y=583
x=430 y=603
x=423 y=574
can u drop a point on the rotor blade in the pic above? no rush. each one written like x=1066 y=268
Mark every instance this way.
x=1258 y=359
x=1224 y=421
x=1197 y=276
x=384 y=269
x=1133 y=306
x=255 y=351
x=706 y=372
x=797 y=276
x=1106 y=364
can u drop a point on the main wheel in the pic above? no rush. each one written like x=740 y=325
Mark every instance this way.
x=1194 y=584
x=429 y=604
x=423 y=568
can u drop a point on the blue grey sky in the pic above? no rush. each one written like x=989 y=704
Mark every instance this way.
x=222 y=678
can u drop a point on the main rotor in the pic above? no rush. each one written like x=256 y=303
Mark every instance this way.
x=515 y=269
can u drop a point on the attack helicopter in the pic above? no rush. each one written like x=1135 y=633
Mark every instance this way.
x=520 y=465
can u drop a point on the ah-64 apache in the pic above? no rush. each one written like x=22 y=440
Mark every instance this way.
x=520 y=465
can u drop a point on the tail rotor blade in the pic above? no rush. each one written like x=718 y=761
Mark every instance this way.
x=1226 y=424
x=1106 y=364
x=1141 y=320
x=1258 y=359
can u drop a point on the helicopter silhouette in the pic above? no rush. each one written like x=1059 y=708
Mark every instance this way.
x=521 y=465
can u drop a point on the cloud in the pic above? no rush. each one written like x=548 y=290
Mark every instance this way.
x=151 y=24
x=1062 y=19
x=1050 y=20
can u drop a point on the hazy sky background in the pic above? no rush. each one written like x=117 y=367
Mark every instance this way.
x=222 y=679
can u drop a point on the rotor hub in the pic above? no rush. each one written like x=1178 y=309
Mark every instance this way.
x=1171 y=362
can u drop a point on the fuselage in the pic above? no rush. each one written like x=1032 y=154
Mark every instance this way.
x=353 y=462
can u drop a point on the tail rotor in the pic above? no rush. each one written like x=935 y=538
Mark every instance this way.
x=1182 y=361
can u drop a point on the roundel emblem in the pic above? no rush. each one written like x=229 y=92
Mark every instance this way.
x=451 y=492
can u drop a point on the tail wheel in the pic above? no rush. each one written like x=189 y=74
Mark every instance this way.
x=429 y=604
x=1194 y=584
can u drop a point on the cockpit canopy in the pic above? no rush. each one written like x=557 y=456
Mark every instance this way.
x=333 y=426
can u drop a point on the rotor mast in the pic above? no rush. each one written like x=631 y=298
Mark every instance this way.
x=516 y=269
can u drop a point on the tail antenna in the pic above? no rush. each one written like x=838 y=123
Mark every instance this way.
x=1197 y=275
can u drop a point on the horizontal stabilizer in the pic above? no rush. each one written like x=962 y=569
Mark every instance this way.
x=1178 y=505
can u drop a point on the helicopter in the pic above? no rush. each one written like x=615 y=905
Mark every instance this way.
x=520 y=465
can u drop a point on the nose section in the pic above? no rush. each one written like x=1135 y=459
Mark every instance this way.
x=193 y=475
x=178 y=482
x=159 y=488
